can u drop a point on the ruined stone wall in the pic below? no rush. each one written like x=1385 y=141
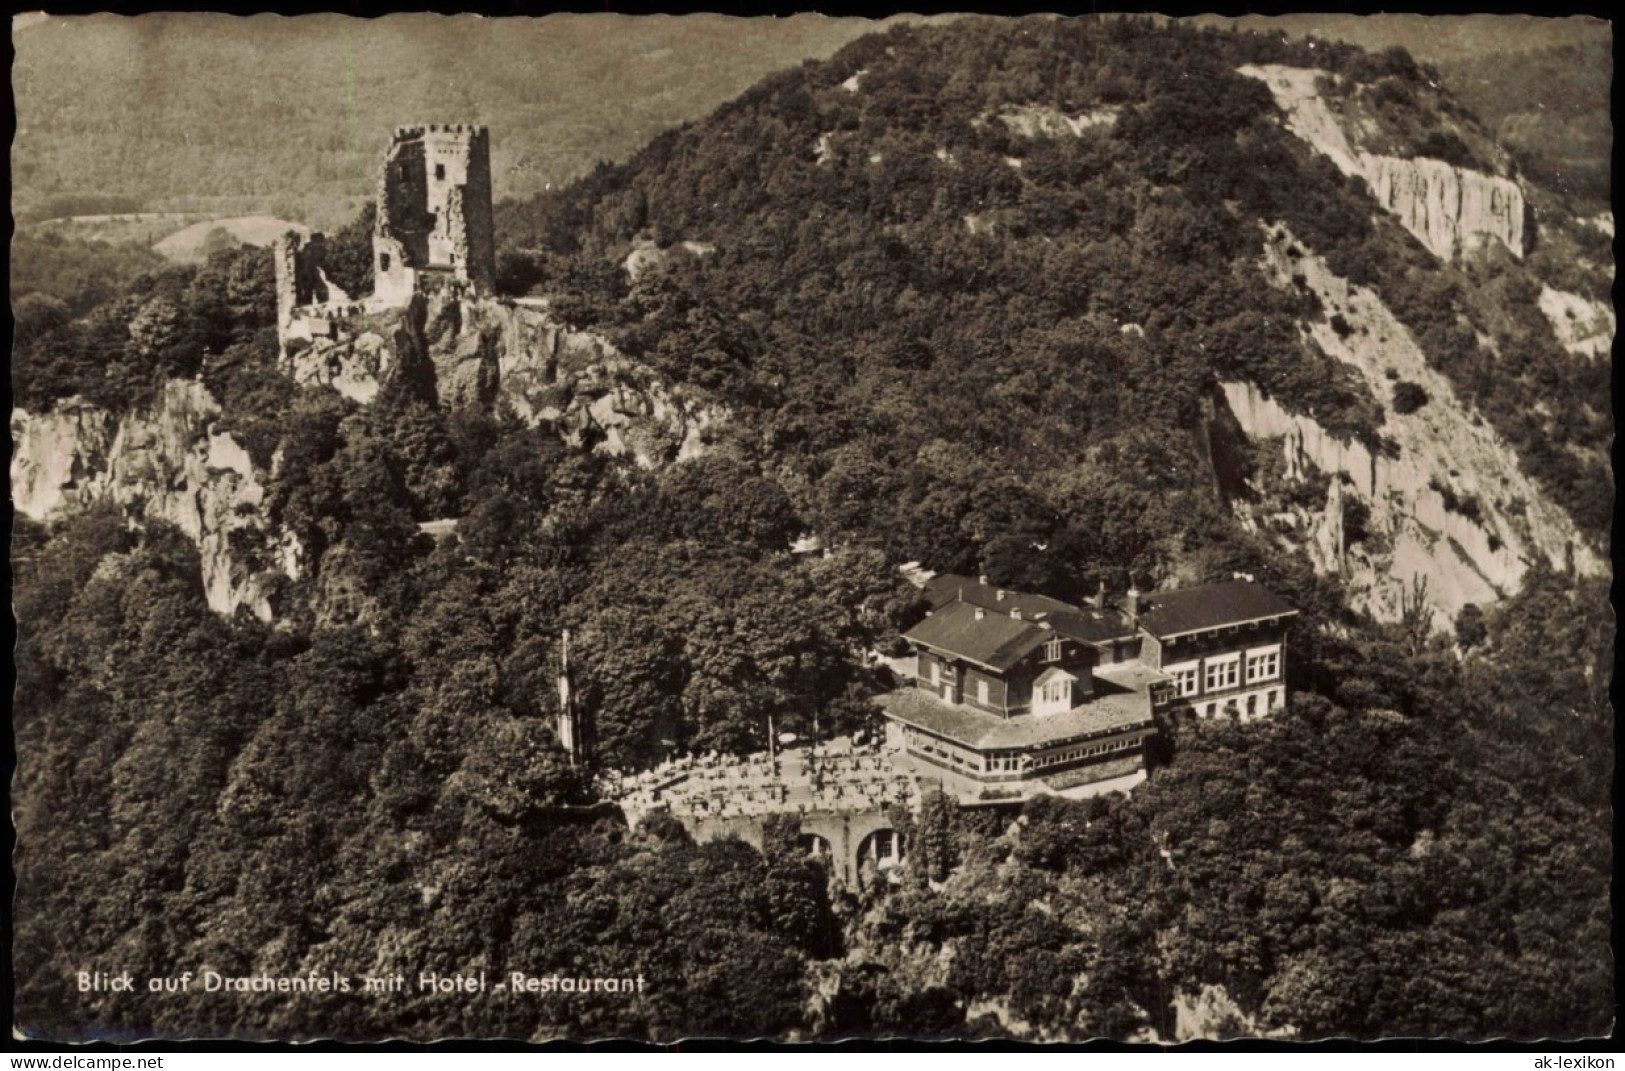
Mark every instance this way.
x=300 y=284
x=299 y=280
x=435 y=210
x=283 y=259
x=475 y=208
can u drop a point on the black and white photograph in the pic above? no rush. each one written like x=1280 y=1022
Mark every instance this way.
x=807 y=528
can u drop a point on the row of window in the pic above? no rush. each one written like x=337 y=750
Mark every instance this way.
x=1055 y=758
x=1223 y=673
x=1223 y=630
x=927 y=745
x=1272 y=699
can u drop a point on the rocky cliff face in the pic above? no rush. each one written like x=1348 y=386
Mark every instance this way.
x=1453 y=510
x=1451 y=210
x=166 y=462
x=1584 y=327
x=514 y=356
x=171 y=462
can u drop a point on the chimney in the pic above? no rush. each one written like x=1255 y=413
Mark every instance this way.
x=1100 y=596
x=1002 y=594
x=1015 y=613
x=1131 y=603
x=980 y=613
x=982 y=580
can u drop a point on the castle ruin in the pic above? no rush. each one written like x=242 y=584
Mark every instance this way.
x=434 y=211
x=433 y=233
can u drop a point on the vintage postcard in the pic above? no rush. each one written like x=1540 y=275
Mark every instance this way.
x=693 y=527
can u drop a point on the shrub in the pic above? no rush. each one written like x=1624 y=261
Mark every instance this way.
x=1408 y=397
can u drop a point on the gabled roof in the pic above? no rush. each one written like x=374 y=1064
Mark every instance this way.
x=1233 y=602
x=1084 y=624
x=1053 y=673
x=994 y=641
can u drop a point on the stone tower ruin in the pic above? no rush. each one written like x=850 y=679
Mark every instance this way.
x=434 y=212
x=433 y=233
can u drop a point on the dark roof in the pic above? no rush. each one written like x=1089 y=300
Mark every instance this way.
x=995 y=641
x=951 y=587
x=1092 y=626
x=1233 y=602
x=981 y=730
x=1085 y=624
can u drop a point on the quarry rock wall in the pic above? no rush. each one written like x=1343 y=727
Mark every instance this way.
x=1451 y=210
x=1454 y=507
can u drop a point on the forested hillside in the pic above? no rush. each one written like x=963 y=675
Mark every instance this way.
x=964 y=295
x=1561 y=137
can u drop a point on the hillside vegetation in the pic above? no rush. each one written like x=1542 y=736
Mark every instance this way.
x=1560 y=136
x=943 y=274
x=945 y=327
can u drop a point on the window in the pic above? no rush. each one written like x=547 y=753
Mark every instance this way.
x=1222 y=674
x=1263 y=665
x=981 y=691
x=1271 y=701
x=383 y=261
x=1188 y=682
x=1052 y=651
x=1057 y=692
x=1211 y=709
x=1252 y=705
x=440 y=172
x=936 y=672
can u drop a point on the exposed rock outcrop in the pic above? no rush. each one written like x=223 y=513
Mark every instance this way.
x=647 y=257
x=1453 y=509
x=1584 y=327
x=516 y=357
x=169 y=462
x=1451 y=210
x=1213 y=1015
x=1040 y=121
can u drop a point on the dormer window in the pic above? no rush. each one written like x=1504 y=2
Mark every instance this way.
x=1052 y=651
x=1056 y=691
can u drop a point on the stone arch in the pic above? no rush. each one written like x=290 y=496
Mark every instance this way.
x=879 y=851
x=818 y=848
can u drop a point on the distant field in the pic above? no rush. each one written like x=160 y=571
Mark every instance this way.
x=194 y=243
x=144 y=228
x=221 y=116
